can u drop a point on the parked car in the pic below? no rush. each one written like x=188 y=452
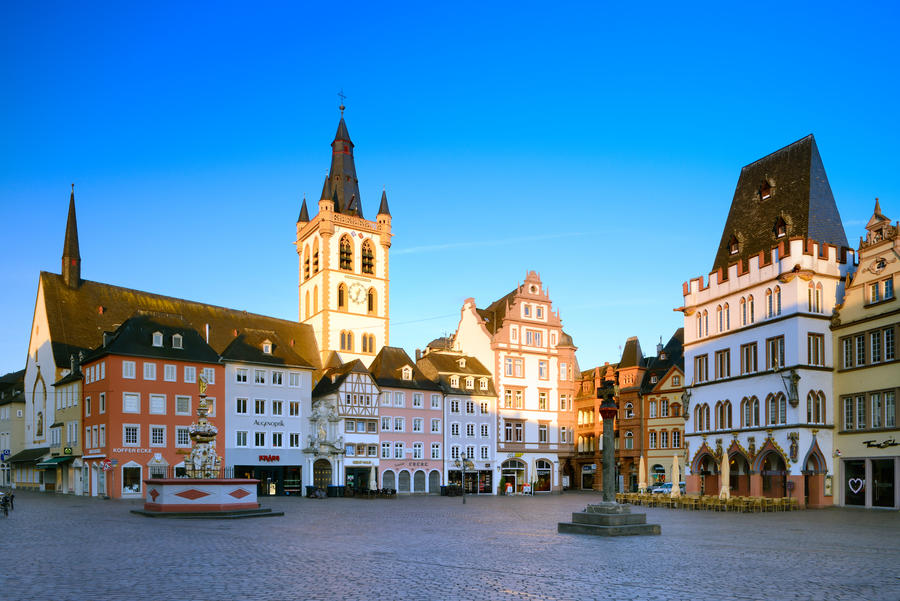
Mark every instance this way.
x=665 y=488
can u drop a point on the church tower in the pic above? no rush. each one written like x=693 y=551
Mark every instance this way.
x=71 y=257
x=344 y=275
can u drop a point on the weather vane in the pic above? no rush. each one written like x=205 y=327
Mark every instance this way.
x=342 y=97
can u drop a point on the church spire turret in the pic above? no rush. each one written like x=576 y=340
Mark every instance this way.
x=383 y=208
x=304 y=213
x=71 y=257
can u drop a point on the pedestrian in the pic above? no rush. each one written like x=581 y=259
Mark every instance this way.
x=12 y=500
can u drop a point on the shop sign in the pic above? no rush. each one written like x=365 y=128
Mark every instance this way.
x=270 y=458
x=4 y=454
x=401 y=464
x=889 y=442
x=267 y=423
x=131 y=450
x=358 y=462
x=67 y=450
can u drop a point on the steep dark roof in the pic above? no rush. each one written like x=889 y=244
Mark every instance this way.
x=632 y=355
x=304 y=213
x=72 y=376
x=13 y=387
x=387 y=366
x=248 y=348
x=135 y=338
x=335 y=376
x=78 y=318
x=496 y=311
x=799 y=193
x=659 y=367
x=444 y=342
x=344 y=183
x=440 y=366
x=383 y=207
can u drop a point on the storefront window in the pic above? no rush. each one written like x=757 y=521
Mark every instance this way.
x=883 y=482
x=131 y=480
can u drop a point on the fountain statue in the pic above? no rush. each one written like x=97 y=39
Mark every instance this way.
x=202 y=462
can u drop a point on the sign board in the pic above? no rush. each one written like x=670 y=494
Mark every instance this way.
x=67 y=450
x=4 y=454
x=270 y=458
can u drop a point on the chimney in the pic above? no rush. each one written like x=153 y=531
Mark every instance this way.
x=107 y=338
x=418 y=354
x=207 y=333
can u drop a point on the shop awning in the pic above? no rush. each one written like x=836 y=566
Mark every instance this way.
x=28 y=455
x=54 y=461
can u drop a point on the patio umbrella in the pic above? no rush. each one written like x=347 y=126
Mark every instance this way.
x=642 y=475
x=372 y=482
x=725 y=478
x=676 y=478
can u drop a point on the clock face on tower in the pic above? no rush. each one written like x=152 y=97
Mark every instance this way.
x=357 y=293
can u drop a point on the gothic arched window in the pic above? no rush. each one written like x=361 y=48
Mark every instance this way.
x=368 y=257
x=346 y=253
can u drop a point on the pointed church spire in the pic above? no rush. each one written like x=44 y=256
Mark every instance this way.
x=304 y=213
x=71 y=257
x=342 y=176
x=383 y=208
x=326 y=189
x=877 y=206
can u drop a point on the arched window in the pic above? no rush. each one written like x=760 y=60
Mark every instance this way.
x=719 y=415
x=719 y=318
x=342 y=297
x=371 y=302
x=782 y=409
x=821 y=408
x=315 y=299
x=743 y=311
x=754 y=402
x=629 y=440
x=770 y=308
x=777 y=300
x=306 y=304
x=346 y=253
x=772 y=410
x=699 y=326
x=706 y=415
x=629 y=411
x=727 y=310
x=746 y=416
x=750 y=309
x=315 y=256
x=368 y=343
x=368 y=257
x=726 y=409
x=306 y=263
x=346 y=340
x=706 y=322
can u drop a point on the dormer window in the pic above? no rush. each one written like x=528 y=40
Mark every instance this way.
x=470 y=382
x=157 y=338
x=267 y=347
x=662 y=355
x=653 y=379
x=406 y=372
x=780 y=228
x=483 y=384
x=765 y=190
x=177 y=341
x=462 y=363
x=454 y=381
x=733 y=245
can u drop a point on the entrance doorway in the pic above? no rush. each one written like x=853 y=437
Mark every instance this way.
x=322 y=474
x=358 y=478
x=774 y=476
x=512 y=476
x=587 y=476
x=434 y=482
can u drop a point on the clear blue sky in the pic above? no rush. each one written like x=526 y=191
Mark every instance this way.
x=596 y=144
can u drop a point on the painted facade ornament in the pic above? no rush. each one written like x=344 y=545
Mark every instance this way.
x=718 y=448
x=795 y=447
x=751 y=446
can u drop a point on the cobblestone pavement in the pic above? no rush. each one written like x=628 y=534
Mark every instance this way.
x=60 y=548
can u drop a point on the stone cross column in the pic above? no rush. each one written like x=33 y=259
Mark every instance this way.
x=608 y=411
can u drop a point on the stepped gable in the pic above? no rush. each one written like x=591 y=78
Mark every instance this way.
x=788 y=188
x=79 y=317
x=386 y=370
x=333 y=377
x=659 y=367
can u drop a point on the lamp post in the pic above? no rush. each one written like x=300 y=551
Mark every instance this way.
x=464 y=463
x=608 y=411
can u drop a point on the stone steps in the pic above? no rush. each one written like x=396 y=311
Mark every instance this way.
x=262 y=512
x=608 y=519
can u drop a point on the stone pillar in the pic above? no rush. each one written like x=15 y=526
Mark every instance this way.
x=755 y=484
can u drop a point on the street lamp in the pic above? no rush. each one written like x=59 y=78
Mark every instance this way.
x=464 y=463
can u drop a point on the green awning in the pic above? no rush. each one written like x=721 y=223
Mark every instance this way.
x=54 y=461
